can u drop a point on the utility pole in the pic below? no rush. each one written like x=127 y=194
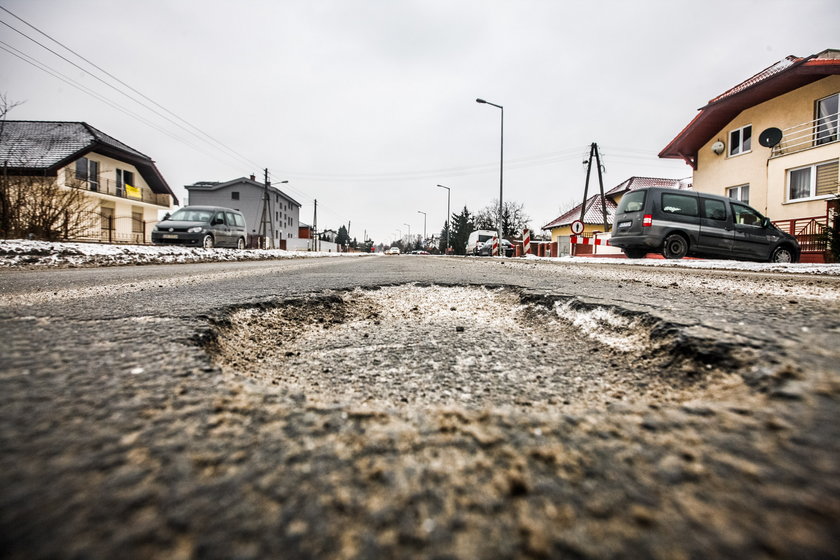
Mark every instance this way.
x=593 y=153
x=266 y=223
x=316 y=242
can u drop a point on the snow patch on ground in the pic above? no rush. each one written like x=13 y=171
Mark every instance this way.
x=713 y=264
x=605 y=326
x=24 y=253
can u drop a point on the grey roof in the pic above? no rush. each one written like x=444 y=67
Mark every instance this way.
x=44 y=144
x=215 y=185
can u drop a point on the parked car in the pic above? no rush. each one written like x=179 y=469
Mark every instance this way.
x=203 y=226
x=477 y=239
x=679 y=223
x=487 y=248
x=393 y=251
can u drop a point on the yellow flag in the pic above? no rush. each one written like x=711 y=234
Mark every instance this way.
x=133 y=192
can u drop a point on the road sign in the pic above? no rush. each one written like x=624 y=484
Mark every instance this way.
x=577 y=227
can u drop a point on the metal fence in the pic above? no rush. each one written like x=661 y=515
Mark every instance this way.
x=103 y=228
x=810 y=232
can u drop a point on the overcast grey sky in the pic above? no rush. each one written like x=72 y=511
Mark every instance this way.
x=366 y=105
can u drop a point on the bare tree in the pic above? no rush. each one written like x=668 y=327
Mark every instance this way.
x=514 y=218
x=33 y=204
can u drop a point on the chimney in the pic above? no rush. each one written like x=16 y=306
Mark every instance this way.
x=253 y=177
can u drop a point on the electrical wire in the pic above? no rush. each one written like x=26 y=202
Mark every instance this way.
x=201 y=135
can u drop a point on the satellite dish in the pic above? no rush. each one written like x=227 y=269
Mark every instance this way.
x=718 y=147
x=770 y=137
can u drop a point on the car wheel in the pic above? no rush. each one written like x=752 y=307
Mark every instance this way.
x=240 y=244
x=207 y=242
x=675 y=246
x=782 y=255
x=635 y=253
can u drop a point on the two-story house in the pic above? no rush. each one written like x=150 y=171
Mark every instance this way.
x=772 y=141
x=123 y=189
x=281 y=216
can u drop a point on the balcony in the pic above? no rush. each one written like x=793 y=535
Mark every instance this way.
x=111 y=188
x=807 y=135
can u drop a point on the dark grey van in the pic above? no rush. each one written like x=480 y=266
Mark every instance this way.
x=679 y=223
x=203 y=226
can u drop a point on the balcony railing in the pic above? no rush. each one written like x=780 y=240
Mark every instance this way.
x=110 y=187
x=807 y=135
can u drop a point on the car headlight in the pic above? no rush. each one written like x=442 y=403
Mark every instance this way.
x=196 y=229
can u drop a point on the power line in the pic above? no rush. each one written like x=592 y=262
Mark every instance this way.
x=203 y=136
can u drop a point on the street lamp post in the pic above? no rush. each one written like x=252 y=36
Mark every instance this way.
x=501 y=168
x=424 y=225
x=448 y=217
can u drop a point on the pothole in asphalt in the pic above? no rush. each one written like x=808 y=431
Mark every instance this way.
x=464 y=346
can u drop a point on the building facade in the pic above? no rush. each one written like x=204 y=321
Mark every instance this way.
x=772 y=141
x=122 y=189
x=280 y=221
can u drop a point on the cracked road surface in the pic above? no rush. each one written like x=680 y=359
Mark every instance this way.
x=418 y=407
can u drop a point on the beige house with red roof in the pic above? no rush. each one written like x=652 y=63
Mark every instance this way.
x=772 y=141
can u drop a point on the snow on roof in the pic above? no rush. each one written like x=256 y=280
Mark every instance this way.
x=594 y=213
x=43 y=144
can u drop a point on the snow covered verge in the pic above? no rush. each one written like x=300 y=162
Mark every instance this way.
x=36 y=254
x=790 y=268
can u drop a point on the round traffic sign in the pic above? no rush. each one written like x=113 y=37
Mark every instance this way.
x=577 y=227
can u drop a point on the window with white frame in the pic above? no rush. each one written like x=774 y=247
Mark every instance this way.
x=812 y=181
x=741 y=193
x=827 y=119
x=740 y=140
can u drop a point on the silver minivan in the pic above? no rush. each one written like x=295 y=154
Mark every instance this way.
x=680 y=223
x=203 y=226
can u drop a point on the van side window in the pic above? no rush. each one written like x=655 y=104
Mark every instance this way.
x=746 y=215
x=634 y=201
x=239 y=220
x=230 y=218
x=714 y=209
x=679 y=204
x=219 y=216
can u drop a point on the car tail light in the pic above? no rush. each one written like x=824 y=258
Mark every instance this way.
x=647 y=221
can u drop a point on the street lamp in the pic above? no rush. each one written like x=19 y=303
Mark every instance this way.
x=424 y=224
x=448 y=217
x=501 y=168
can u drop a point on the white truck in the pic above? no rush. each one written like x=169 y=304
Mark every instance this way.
x=477 y=239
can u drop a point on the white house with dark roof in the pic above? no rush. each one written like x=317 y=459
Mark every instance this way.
x=125 y=189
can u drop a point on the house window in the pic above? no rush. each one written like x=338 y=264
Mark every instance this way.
x=740 y=140
x=88 y=170
x=741 y=193
x=234 y=195
x=827 y=119
x=124 y=178
x=137 y=222
x=812 y=181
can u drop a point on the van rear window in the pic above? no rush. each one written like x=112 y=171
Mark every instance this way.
x=634 y=201
x=680 y=204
